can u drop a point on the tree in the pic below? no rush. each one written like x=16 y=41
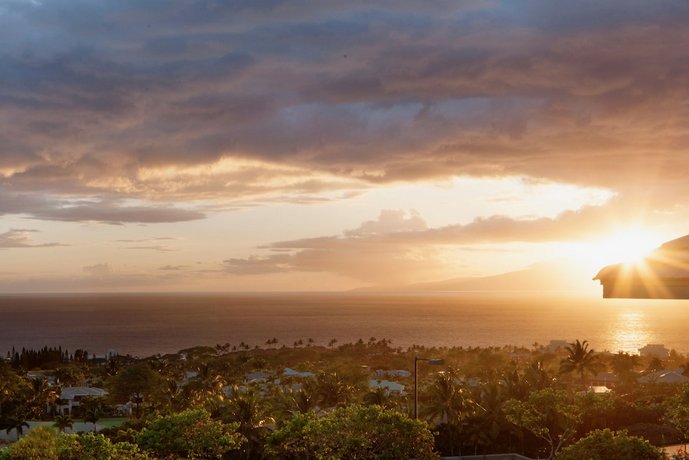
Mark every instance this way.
x=353 y=432
x=15 y=398
x=92 y=415
x=333 y=389
x=447 y=403
x=678 y=412
x=289 y=402
x=16 y=422
x=190 y=434
x=137 y=383
x=44 y=443
x=606 y=444
x=43 y=396
x=549 y=414
x=580 y=360
x=206 y=389
x=62 y=422
x=251 y=416
x=41 y=443
x=446 y=400
x=378 y=396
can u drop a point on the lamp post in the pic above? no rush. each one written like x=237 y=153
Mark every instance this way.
x=432 y=361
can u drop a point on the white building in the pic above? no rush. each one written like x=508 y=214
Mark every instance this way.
x=656 y=350
x=392 y=387
x=70 y=397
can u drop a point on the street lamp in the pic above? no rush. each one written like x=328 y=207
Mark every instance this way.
x=432 y=361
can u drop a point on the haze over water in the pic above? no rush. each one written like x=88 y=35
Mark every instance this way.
x=143 y=325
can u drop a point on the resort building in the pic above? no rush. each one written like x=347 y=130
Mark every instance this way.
x=654 y=350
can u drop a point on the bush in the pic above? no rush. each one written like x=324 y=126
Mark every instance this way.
x=190 y=434
x=41 y=443
x=353 y=432
x=606 y=444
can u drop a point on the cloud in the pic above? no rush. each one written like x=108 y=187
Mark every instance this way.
x=99 y=270
x=389 y=221
x=174 y=267
x=362 y=92
x=108 y=211
x=21 y=238
x=158 y=248
x=399 y=247
x=146 y=240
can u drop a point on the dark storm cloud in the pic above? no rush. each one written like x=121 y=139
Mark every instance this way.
x=94 y=94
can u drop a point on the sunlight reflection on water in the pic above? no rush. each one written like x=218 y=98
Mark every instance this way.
x=630 y=331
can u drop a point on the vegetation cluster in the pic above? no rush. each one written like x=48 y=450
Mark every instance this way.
x=344 y=401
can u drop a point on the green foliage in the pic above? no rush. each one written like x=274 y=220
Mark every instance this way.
x=44 y=443
x=93 y=446
x=549 y=414
x=581 y=360
x=15 y=399
x=678 y=411
x=138 y=383
x=41 y=443
x=606 y=445
x=250 y=414
x=353 y=432
x=190 y=434
x=63 y=422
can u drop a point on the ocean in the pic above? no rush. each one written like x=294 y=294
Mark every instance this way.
x=148 y=324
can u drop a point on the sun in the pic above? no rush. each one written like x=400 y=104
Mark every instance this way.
x=625 y=246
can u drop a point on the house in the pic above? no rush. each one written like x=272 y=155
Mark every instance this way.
x=401 y=373
x=655 y=350
x=599 y=389
x=606 y=379
x=665 y=376
x=71 y=397
x=662 y=274
x=392 y=387
x=256 y=377
x=41 y=375
x=292 y=373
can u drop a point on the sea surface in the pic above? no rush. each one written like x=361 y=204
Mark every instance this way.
x=148 y=324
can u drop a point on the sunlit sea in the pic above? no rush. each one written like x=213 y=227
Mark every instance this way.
x=148 y=324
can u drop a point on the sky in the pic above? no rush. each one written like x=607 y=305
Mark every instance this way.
x=198 y=145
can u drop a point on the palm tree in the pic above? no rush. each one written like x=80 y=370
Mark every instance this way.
x=17 y=422
x=43 y=398
x=447 y=403
x=333 y=390
x=447 y=400
x=207 y=387
x=537 y=376
x=63 y=421
x=289 y=402
x=248 y=410
x=378 y=396
x=173 y=394
x=580 y=359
